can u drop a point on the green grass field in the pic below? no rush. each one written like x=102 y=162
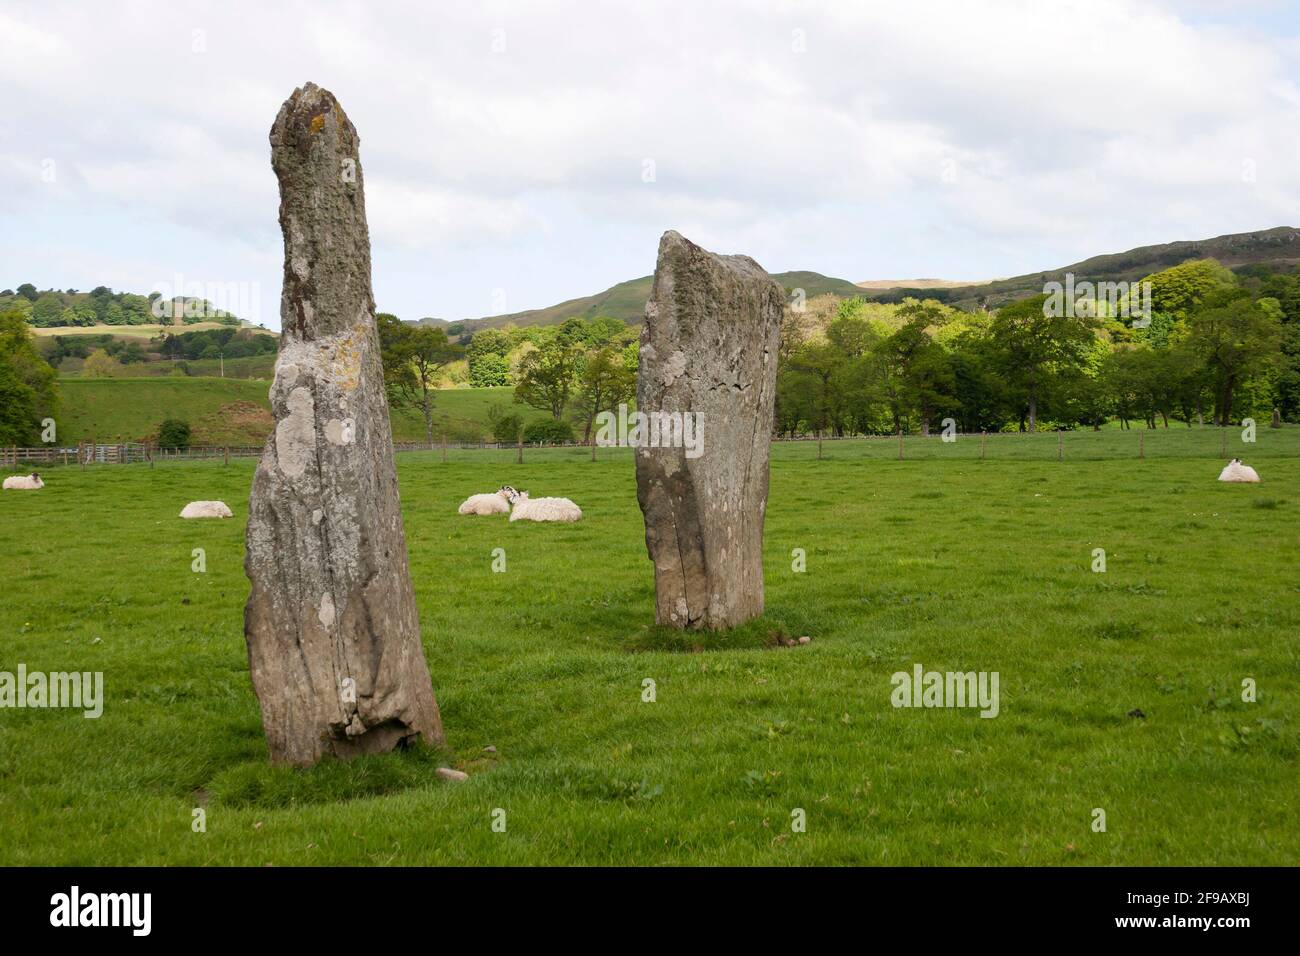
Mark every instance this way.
x=223 y=411
x=941 y=559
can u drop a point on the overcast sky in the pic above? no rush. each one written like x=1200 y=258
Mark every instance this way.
x=519 y=154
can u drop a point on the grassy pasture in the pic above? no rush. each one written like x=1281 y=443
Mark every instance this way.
x=942 y=559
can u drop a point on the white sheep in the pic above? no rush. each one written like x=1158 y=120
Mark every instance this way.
x=497 y=503
x=206 y=509
x=1236 y=471
x=30 y=482
x=541 y=509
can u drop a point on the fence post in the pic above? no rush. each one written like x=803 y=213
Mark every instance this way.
x=1223 y=441
x=227 y=454
x=444 y=448
x=900 y=444
x=1060 y=445
x=1142 y=443
x=519 y=458
x=984 y=436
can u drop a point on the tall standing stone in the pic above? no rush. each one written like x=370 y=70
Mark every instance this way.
x=332 y=629
x=708 y=347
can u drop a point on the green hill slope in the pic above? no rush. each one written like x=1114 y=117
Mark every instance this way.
x=626 y=301
x=1277 y=247
x=237 y=412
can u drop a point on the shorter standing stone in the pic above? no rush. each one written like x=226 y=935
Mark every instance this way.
x=708 y=350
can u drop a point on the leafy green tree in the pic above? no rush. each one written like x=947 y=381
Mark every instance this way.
x=174 y=433
x=853 y=336
x=1236 y=337
x=506 y=426
x=1181 y=289
x=489 y=369
x=605 y=329
x=488 y=342
x=573 y=332
x=547 y=376
x=548 y=431
x=980 y=392
x=604 y=382
x=99 y=364
x=923 y=374
x=1287 y=398
x=28 y=385
x=28 y=292
x=1036 y=351
x=414 y=358
x=812 y=388
x=47 y=309
x=135 y=309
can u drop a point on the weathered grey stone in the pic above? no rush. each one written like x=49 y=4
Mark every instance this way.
x=709 y=347
x=332 y=629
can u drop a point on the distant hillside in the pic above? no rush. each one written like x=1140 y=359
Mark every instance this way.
x=626 y=301
x=917 y=283
x=1278 y=247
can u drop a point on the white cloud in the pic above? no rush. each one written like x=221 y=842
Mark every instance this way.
x=506 y=142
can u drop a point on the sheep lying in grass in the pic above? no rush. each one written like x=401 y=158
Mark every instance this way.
x=1236 y=471
x=497 y=503
x=30 y=482
x=206 y=509
x=541 y=509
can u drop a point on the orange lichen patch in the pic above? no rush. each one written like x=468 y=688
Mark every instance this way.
x=347 y=361
x=317 y=123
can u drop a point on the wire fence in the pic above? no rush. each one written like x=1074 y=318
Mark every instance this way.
x=1202 y=442
x=91 y=452
x=1111 y=443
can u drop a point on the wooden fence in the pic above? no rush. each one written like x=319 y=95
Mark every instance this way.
x=92 y=452
x=1139 y=443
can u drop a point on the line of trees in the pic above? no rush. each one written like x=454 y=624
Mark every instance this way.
x=1219 y=346
x=51 y=308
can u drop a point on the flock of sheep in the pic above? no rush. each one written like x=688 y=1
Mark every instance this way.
x=520 y=506
x=506 y=500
